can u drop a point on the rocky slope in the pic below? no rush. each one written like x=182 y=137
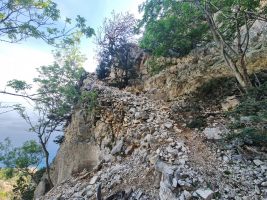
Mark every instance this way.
x=130 y=148
x=135 y=144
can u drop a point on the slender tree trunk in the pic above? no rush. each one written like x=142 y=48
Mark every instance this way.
x=238 y=67
x=47 y=163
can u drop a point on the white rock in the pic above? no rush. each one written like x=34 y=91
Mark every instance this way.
x=148 y=138
x=168 y=125
x=257 y=162
x=230 y=103
x=257 y=189
x=164 y=168
x=187 y=195
x=93 y=180
x=206 y=194
x=212 y=133
x=117 y=148
x=174 y=183
x=264 y=184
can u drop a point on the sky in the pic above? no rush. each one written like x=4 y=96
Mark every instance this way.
x=19 y=61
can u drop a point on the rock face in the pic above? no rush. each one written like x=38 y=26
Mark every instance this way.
x=202 y=65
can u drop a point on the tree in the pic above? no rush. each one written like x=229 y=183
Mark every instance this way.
x=171 y=28
x=21 y=19
x=229 y=23
x=25 y=158
x=115 y=42
x=58 y=92
x=22 y=162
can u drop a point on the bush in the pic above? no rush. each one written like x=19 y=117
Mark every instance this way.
x=198 y=122
x=89 y=100
x=250 y=117
x=154 y=67
x=172 y=28
x=218 y=88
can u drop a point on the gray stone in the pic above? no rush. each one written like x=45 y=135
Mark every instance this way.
x=40 y=189
x=206 y=194
x=168 y=125
x=230 y=103
x=94 y=179
x=257 y=190
x=165 y=193
x=117 y=148
x=257 y=162
x=245 y=119
x=213 y=133
x=164 y=168
x=187 y=195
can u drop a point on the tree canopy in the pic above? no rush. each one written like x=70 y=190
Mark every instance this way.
x=58 y=90
x=115 y=42
x=171 y=27
x=175 y=27
x=21 y=19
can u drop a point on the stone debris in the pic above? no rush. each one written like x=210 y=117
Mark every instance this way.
x=143 y=157
x=206 y=194
x=117 y=148
x=213 y=133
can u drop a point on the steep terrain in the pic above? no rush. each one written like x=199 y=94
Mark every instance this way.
x=135 y=143
x=131 y=148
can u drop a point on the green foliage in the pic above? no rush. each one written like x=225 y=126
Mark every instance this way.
x=217 y=89
x=154 y=67
x=115 y=43
x=18 y=162
x=250 y=117
x=18 y=85
x=89 y=100
x=198 y=122
x=4 y=195
x=6 y=173
x=23 y=189
x=171 y=28
x=28 y=155
x=21 y=19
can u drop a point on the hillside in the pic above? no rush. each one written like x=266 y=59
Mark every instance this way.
x=136 y=143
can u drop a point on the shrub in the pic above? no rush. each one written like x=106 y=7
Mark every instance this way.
x=198 y=122
x=89 y=100
x=250 y=117
x=154 y=67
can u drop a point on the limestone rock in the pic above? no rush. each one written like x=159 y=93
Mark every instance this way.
x=206 y=194
x=117 y=148
x=257 y=162
x=212 y=133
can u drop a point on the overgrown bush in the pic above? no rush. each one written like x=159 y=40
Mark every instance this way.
x=89 y=100
x=217 y=89
x=171 y=28
x=154 y=67
x=250 y=117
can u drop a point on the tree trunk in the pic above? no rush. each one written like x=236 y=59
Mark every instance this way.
x=47 y=163
x=237 y=67
x=239 y=70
